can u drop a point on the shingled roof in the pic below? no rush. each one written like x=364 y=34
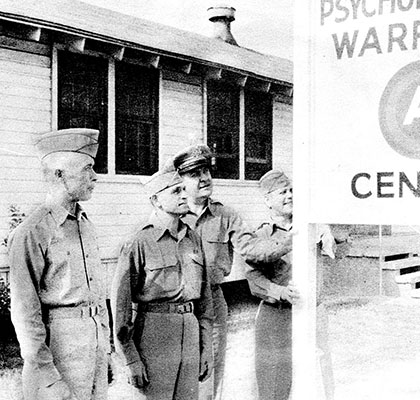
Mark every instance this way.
x=91 y=22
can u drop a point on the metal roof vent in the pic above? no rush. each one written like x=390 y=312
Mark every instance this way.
x=222 y=16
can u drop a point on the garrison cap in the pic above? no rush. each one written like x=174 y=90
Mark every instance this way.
x=74 y=140
x=192 y=157
x=273 y=180
x=161 y=180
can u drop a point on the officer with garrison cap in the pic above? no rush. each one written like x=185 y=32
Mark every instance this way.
x=271 y=281
x=57 y=280
x=161 y=301
x=221 y=230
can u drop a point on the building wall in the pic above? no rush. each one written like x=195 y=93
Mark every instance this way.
x=282 y=137
x=118 y=203
x=25 y=108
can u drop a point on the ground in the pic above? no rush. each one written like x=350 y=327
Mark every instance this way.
x=375 y=345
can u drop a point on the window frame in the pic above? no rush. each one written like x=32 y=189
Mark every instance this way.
x=242 y=134
x=111 y=176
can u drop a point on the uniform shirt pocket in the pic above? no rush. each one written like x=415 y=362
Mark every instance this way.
x=163 y=277
x=219 y=255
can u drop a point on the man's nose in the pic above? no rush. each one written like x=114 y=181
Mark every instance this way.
x=94 y=176
x=204 y=175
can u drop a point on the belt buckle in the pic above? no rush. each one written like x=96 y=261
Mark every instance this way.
x=94 y=310
x=183 y=308
x=180 y=308
x=89 y=311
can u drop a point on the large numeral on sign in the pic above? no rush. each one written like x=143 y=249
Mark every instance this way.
x=414 y=109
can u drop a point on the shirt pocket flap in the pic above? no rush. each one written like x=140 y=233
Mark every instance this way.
x=159 y=262
x=217 y=237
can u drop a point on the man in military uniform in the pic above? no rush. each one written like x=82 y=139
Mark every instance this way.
x=222 y=230
x=166 y=340
x=57 y=281
x=272 y=282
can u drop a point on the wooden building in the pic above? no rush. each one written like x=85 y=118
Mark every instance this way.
x=151 y=90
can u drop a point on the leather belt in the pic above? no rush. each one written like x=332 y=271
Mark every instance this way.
x=80 y=311
x=176 y=308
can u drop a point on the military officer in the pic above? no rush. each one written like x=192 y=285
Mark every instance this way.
x=57 y=280
x=161 y=270
x=272 y=282
x=222 y=230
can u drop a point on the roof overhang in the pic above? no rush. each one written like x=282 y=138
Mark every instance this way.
x=80 y=27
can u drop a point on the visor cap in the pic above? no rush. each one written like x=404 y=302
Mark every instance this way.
x=192 y=157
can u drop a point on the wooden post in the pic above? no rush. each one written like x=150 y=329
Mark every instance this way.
x=306 y=385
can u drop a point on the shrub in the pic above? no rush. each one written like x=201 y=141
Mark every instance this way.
x=4 y=299
x=16 y=217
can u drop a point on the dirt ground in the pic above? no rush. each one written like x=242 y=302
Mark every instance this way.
x=375 y=346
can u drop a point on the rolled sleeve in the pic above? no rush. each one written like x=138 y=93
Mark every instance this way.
x=262 y=287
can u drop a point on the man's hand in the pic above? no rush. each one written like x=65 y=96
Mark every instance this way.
x=59 y=390
x=138 y=375
x=290 y=293
x=206 y=366
x=325 y=237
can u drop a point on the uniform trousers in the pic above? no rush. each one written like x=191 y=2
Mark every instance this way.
x=170 y=348
x=79 y=349
x=219 y=340
x=273 y=351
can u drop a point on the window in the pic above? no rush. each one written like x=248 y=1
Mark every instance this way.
x=83 y=103
x=258 y=134
x=83 y=98
x=242 y=145
x=223 y=128
x=136 y=121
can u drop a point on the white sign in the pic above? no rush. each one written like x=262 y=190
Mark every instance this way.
x=365 y=137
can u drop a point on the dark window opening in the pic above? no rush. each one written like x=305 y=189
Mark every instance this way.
x=223 y=128
x=258 y=134
x=136 y=124
x=83 y=98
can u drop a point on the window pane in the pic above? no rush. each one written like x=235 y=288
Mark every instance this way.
x=83 y=98
x=136 y=98
x=258 y=134
x=223 y=128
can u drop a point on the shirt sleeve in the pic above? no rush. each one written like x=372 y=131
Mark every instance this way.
x=260 y=285
x=123 y=309
x=254 y=248
x=27 y=263
x=257 y=274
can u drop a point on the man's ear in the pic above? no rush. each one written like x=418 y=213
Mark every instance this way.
x=267 y=201
x=155 y=201
x=58 y=173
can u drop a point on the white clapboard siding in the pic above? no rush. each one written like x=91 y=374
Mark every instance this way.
x=25 y=108
x=282 y=137
x=21 y=127
x=181 y=116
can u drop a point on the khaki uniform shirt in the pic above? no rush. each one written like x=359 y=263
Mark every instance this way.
x=54 y=261
x=222 y=230
x=266 y=279
x=155 y=267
